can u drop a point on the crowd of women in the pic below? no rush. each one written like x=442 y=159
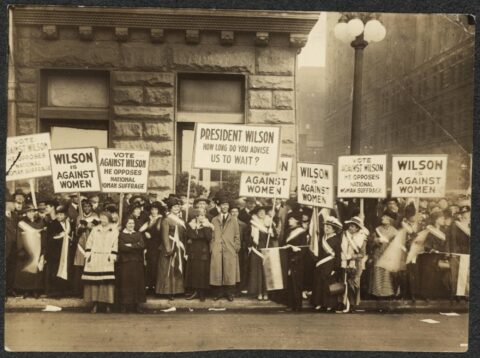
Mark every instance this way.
x=111 y=252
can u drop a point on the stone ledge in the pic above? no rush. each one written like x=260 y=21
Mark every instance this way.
x=144 y=78
x=143 y=112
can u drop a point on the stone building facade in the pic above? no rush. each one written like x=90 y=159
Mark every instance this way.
x=418 y=91
x=141 y=57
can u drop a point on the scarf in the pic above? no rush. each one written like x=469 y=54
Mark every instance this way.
x=257 y=226
x=63 y=266
x=177 y=244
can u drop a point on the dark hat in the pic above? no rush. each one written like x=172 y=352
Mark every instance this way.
x=356 y=220
x=61 y=209
x=172 y=201
x=292 y=202
x=250 y=200
x=257 y=209
x=155 y=204
x=152 y=194
x=434 y=216
x=135 y=205
x=135 y=198
x=297 y=215
x=410 y=211
x=86 y=202
x=465 y=209
x=333 y=222
x=234 y=205
x=19 y=192
x=51 y=202
x=29 y=207
x=223 y=200
x=111 y=208
x=389 y=199
x=393 y=216
x=197 y=200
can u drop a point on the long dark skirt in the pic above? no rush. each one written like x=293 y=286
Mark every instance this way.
x=169 y=279
x=322 y=278
x=27 y=281
x=434 y=281
x=151 y=258
x=198 y=274
x=256 y=284
x=55 y=286
x=131 y=282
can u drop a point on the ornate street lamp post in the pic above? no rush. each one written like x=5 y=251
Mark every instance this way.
x=358 y=29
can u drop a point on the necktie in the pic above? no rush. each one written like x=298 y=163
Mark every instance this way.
x=224 y=219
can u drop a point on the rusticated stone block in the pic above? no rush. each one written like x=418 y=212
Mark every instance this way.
x=158 y=130
x=26 y=126
x=50 y=32
x=65 y=53
x=271 y=116
x=144 y=56
x=154 y=146
x=260 y=99
x=271 y=82
x=283 y=99
x=144 y=78
x=142 y=112
x=125 y=95
x=162 y=182
x=276 y=60
x=26 y=109
x=127 y=129
x=26 y=92
x=214 y=58
x=159 y=96
x=27 y=75
x=161 y=164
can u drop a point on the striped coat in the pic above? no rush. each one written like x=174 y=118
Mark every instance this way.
x=101 y=253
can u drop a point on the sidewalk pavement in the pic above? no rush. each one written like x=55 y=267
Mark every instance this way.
x=156 y=305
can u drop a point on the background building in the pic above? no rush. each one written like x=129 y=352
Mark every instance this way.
x=418 y=87
x=141 y=78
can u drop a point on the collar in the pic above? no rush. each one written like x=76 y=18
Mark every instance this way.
x=125 y=231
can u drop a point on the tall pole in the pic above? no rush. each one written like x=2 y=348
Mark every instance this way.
x=358 y=44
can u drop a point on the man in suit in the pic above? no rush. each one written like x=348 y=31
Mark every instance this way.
x=245 y=214
x=224 y=265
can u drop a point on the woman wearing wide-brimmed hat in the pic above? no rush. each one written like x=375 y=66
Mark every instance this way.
x=354 y=243
x=153 y=240
x=172 y=255
x=327 y=267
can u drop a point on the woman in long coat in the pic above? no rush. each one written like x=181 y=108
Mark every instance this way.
x=58 y=237
x=327 y=268
x=262 y=233
x=199 y=235
x=381 y=281
x=130 y=269
x=29 y=276
x=101 y=253
x=171 y=262
x=152 y=243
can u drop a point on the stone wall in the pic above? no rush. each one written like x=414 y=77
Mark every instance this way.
x=143 y=75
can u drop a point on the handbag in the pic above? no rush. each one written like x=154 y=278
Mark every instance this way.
x=444 y=264
x=336 y=288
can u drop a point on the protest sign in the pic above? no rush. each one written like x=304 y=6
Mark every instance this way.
x=236 y=147
x=419 y=176
x=74 y=170
x=315 y=184
x=267 y=185
x=123 y=171
x=27 y=156
x=362 y=176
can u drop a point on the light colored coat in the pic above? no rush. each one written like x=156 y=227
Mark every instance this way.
x=224 y=265
x=101 y=253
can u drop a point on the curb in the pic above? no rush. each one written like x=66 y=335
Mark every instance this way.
x=156 y=305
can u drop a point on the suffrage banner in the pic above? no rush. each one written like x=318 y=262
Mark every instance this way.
x=27 y=156
x=236 y=147
x=315 y=184
x=419 y=176
x=267 y=185
x=123 y=171
x=362 y=176
x=74 y=170
x=275 y=268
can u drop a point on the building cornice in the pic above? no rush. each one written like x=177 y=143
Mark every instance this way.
x=299 y=23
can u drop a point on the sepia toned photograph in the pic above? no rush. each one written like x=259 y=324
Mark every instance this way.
x=193 y=179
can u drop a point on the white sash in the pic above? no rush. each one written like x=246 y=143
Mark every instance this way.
x=295 y=233
x=464 y=227
x=180 y=249
x=328 y=249
x=63 y=266
x=435 y=232
x=352 y=243
x=381 y=237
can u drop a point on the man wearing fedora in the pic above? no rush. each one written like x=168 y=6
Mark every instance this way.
x=224 y=265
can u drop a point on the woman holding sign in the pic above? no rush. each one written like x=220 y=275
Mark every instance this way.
x=100 y=256
x=263 y=235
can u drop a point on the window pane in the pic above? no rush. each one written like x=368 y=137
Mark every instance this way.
x=66 y=137
x=211 y=94
x=76 y=89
